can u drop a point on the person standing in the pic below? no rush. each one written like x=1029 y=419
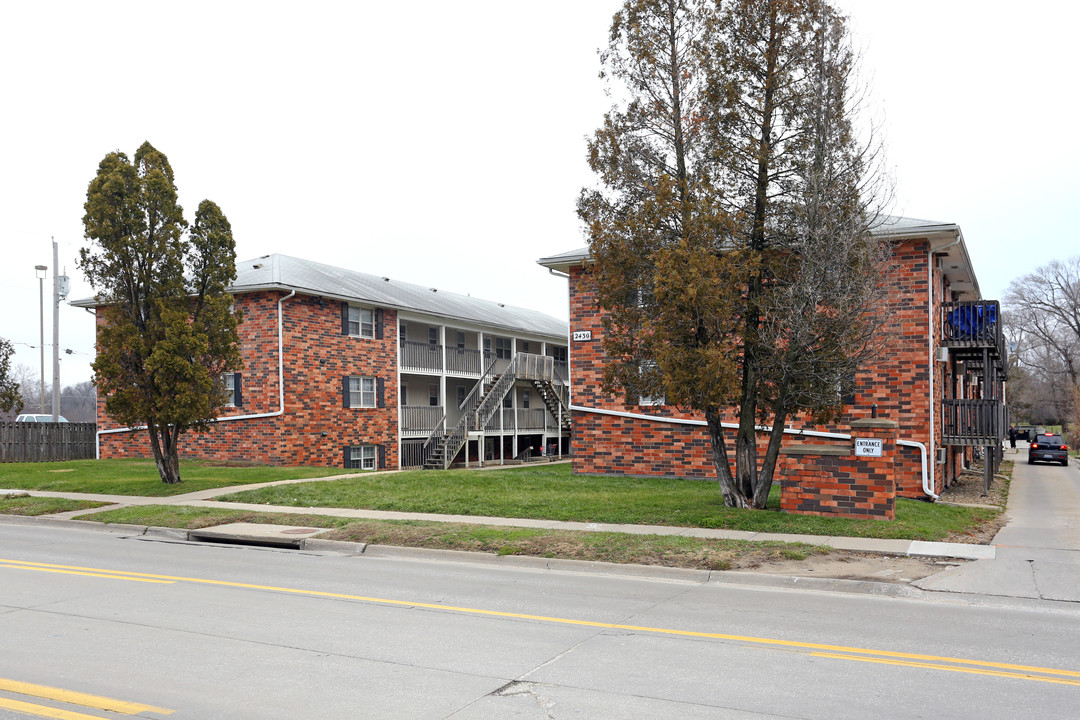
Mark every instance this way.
x=1012 y=437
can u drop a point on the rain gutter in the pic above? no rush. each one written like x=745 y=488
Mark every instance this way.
x=227 y=418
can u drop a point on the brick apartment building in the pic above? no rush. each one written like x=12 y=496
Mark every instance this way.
x=941 y=378
x=346 y=369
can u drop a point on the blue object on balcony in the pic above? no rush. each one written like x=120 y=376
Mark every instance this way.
x=972 y=321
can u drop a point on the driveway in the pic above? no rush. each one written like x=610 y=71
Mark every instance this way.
x=1038 y=551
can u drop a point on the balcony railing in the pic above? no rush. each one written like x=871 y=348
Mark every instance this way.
x=531 y=419
x=463 y=361
x=419 y=419
x=972 y=422
x=562 y=371
x=412 y=453
x=972 y=324
x=506 y=423
x=420 y=356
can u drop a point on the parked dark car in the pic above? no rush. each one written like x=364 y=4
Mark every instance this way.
x=1049 y=447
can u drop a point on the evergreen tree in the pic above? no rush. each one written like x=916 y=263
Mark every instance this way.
x=731 y=226
x=168 y=332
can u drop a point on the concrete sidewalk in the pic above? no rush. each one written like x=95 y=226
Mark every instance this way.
x=1038 y=550
x=204 y=498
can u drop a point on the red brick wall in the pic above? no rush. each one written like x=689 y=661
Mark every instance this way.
x=825 y=483
x=899 y=385
x=316 y=426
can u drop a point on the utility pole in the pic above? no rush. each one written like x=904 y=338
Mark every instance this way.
x=60 y=291
x=40 y=271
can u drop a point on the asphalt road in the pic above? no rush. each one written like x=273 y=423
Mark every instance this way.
x=211 y=631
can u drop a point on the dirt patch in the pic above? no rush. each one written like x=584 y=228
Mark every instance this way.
x=840 y=565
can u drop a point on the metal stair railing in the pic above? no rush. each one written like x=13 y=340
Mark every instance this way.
x=479 y=406
x=433 y=440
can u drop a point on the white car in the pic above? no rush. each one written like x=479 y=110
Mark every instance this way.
x=39 y=418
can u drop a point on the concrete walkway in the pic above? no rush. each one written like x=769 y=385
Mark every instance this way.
x=1038 y=550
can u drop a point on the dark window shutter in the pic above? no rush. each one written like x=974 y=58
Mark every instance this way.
x=344 y=318
x=380 y=390
x=380 y=462
x=347 y=458
x=345 y=391
x=238 y=395
x=378 y=324
x=849 y=399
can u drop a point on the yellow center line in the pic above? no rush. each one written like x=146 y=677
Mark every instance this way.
x=774 y=642
x=44 y=711
x=71 y=697
x=109 y=576
x=951 y=668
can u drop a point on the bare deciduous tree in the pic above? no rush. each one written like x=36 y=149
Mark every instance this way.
x=1043 y=321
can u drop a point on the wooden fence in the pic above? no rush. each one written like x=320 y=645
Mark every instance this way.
x=46 y=442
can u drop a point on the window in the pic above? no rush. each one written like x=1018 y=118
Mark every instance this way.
x=361 y=457
x=525 y=399
x=361 y=391
x=361 y=322
x=460 y=340
x=649 y=399
x=433 y=336
x=433 y=395
x=232 y=387
x=461 y=393
x=524 y=346
x=504 y=347
x=508 y=400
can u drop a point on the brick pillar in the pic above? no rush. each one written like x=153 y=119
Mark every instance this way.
x=832 y=480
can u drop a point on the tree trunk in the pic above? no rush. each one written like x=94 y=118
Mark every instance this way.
x=728 y=488
x=772 y=453
x=163 y=442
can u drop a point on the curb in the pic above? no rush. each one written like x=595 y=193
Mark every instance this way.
x=527 y=562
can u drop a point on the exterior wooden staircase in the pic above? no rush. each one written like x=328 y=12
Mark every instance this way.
x=442 y=446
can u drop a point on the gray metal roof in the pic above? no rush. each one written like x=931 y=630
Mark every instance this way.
x=282 y=272
x=945 y=238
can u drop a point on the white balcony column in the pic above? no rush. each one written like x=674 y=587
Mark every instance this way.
x=442 y=344
x=442 y=376
x=513 y=409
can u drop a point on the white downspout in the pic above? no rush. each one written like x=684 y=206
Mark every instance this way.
x=929 y=480
x=762 y=428
x=276 y=413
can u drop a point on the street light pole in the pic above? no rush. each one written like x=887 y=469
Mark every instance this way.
x=40 y=269
x=60 y=290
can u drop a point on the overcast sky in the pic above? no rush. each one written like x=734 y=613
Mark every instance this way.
x=443 y=143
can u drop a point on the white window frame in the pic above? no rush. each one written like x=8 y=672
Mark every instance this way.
x=652 y=401
x=361 y=322
x=230 y=385
x=367 y=456
x=361 y=391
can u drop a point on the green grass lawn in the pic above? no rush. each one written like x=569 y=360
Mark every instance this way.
x=664 y=550
x=552 y=492
x=140 y=477
x=11 y=505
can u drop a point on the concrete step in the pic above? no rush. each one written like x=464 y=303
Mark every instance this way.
x=256 y=534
